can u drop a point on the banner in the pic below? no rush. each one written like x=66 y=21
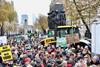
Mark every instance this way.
x=6 y=53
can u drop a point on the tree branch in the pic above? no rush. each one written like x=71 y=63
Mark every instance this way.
x=79 y=12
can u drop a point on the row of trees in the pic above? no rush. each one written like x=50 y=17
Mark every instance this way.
x=7 y=15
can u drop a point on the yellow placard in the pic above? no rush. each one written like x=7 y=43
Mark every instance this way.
x=6 y=53
x=6 y=56
x=5 y=47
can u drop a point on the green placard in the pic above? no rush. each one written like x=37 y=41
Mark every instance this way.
x=61 y=41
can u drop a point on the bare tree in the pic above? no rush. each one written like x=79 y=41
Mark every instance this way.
x=82 y=9
x=42 y=23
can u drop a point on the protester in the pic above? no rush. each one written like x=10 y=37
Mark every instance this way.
x=37 y=55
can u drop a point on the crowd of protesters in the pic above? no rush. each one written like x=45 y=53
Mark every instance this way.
x=38 y=55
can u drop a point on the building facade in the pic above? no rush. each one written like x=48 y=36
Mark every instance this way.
x=57 y=1
x=53 y=2
x=24 y=19
x=56 y=15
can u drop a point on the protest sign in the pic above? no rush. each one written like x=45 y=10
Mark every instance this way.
x=3 y=40
x=6 y=53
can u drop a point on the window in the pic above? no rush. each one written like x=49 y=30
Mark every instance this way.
x=62 y=32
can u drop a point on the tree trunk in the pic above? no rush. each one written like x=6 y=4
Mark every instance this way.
x=2 y=30
x=44 y=31
x=88 y=30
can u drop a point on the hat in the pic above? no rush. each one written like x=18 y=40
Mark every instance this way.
x=86 y=46
x=38 y=60
x=27 y=60
x=52 y=53
x=58 y=61
x=95 y=57
x=85 y=56
x=49 y=65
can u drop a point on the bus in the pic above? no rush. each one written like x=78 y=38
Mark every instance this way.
x=67 y=35
x=62 y=35
x=48 y=41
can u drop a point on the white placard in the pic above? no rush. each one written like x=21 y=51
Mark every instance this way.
x=3 y=40
x=96 y=37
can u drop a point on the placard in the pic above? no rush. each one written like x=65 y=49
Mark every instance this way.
x=3 y=40
x=6 y=53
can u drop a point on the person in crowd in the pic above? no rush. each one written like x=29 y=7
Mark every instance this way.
x=50 y=56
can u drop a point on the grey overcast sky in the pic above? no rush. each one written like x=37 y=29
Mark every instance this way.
x=31 y=8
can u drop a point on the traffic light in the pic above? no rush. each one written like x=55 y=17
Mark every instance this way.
x=49 y=34
x=56 y=18
x=29 y=34
x=51 y=20
x=62 y=18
